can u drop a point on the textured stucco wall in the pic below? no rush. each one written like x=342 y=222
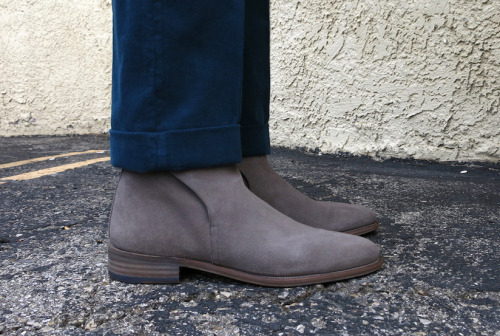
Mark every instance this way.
x=386 y=78
x=55 y=65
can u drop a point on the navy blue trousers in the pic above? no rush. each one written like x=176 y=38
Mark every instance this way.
x=190 y=83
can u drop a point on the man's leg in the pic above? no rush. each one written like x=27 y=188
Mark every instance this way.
x=180 y=201
x=261 y=178
x=176 y=84
x=256 y=80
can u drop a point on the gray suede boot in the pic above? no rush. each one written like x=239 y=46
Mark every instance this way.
x=263 y=181
x=208 y=220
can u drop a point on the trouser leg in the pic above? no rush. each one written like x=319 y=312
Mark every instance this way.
x=177 y=83
x=256 y=80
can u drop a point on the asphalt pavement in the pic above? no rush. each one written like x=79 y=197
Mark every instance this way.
x=439 y=237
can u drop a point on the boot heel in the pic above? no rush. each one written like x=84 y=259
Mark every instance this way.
x=139 y=268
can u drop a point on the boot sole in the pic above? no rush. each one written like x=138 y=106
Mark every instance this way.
x=139 y=268
x=364 y=229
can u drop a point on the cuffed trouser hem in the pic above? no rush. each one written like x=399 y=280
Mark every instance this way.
x=176 y=150
x=255 y=140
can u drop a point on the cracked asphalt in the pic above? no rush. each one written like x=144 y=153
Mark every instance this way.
x=439 y=236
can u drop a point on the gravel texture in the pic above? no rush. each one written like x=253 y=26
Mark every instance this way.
x=439 y=237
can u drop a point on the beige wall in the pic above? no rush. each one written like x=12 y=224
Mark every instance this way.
x=385 y=78
x=55 y=65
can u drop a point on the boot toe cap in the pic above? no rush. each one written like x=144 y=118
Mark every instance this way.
x=345 y=217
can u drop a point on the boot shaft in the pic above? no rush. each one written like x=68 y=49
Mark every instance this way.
x=155 y=213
